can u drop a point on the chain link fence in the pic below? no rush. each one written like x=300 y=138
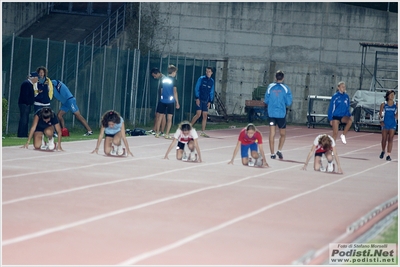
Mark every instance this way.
x=100 y=78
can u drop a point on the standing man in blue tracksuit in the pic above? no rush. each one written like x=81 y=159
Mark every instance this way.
x=204 y=94
x=277 y=97
x=68 y=101
x=338 y=112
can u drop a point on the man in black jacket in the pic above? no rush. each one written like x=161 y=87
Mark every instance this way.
x=25 y=102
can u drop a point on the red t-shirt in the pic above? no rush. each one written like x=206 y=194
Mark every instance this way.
x=245 y=140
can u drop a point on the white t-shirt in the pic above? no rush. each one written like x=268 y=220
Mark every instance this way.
x=185 y=138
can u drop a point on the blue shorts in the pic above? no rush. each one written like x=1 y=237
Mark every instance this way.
x=244 y=149
x=70 y=105
x=390 y=125
x=203 y=106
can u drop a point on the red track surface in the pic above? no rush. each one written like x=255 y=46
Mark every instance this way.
x=77 y=208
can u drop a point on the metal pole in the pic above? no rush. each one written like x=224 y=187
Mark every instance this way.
x=108 y=32
x=140 y=18
x=192 y=88
x=9 y=84
x=76 y=79
x=123 y=18
x=30 y=54
x=116 y=24
x=102 y=84
x=116 y=77
x=137 y=79
x=158 y=85
x=131 y=113
x=144 y=91
x=126 y=84
x=183 y=89
x=47 y=52
x=147 y=98
x=101 y=35
x=173 y=118
x=90 y=83
x=62 y=69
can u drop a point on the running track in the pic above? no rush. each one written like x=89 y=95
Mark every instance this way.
x=77 y=208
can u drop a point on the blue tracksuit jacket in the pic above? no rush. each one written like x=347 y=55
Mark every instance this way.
x=339 y=106
x=278 y=96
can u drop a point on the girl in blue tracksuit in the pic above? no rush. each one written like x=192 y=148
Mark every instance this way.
x=277 y=97
x=388 y=113
x=338 y=112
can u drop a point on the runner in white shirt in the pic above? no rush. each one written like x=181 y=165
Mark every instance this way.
x=186 y=135
x=323 y=145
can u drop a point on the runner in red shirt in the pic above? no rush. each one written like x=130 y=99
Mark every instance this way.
x=250 y=138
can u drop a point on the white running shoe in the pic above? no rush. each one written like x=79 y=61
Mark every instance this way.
x=251 y=162
x=330 y=167
x=343 y=137
x=43 y=146
x=51 y=144
x=120 y=151
x=113 y=152
x=322 y=169
x=184 y=157
x=193 y=156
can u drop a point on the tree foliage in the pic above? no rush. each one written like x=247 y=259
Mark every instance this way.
x=150 y=24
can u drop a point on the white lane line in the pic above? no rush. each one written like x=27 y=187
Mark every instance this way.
x=105 y=183
x=141 y=177
x=98 y=164
x=120 y=211
x=105 y=163
x=200 y=234
x=134 y=148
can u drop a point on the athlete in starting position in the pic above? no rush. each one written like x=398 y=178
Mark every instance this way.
x=323 y=144
x=185 y=134
x=43 y=124
x=250 y=138
x=112 y=125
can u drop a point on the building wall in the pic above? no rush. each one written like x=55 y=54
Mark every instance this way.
x=18 y=16
x=315 y=44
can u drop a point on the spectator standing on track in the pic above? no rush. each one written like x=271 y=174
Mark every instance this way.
x=204 y=94
x=338 y=112
x=43 y=89
x=250 y=138
x=277 y=97
x=323 y=145
x=113 y=127
x=186 y=135
x=25 y=102
x=389 y=117
x=43 y=124
x=156 y=74
x=168 y=100
x=68 y=101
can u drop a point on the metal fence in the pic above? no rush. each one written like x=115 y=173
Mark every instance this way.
x=109 y=78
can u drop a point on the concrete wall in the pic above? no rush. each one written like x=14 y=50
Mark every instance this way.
x=315 y=44
x=17 y=17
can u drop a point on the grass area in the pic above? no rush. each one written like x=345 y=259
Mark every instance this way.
x=76 y=134
x=389 y=235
